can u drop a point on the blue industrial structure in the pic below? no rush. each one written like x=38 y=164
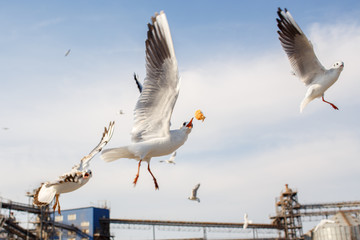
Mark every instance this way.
x=94 y=223
x=86 y=219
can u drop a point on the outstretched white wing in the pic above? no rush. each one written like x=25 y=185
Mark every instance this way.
x=172 y=158
x=161 y=86
x=108 y=132
x=246 y=221
x=194 y=191
x=298 y=48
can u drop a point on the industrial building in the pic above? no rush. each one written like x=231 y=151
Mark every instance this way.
x=340 y=226
x=85 y=219
x=339 y=221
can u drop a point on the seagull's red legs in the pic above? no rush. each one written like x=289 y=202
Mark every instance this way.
x=156 y=185
x=335 y=107
x=57 y=203
x=59 y=211
x=137 y=175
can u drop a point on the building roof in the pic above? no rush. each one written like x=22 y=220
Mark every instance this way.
x=340 y=219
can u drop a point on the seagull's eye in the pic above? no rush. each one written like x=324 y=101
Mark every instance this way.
x=184 y=124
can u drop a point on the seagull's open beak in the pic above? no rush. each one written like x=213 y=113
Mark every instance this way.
x=189 y=125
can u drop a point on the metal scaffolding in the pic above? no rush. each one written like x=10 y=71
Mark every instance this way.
x=290 y=213
x=308 y=211
x=45 y=225
x=288 y=216
x=286 y=224
x=206 y=227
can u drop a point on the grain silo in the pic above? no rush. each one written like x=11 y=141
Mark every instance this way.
x=342 y=226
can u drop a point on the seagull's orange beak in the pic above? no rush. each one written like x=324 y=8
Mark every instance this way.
x=189 y=125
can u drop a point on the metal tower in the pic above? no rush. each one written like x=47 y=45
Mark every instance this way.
x=288 y=214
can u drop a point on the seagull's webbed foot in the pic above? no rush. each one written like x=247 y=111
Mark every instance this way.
x=137 y=175
x=335 y=107
x=135 y=180
x=156 y=184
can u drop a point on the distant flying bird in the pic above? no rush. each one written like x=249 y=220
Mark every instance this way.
x=193 y=195
x=151 y=134
x=67 y=53
x=303 y=60
x=139 y=85
x=246 y=221
x=5 y=128
x=323 y=222
x=121 y=112
x=76 y=178
x=171 y=159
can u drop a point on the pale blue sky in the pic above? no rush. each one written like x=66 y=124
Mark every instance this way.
x=253 y=141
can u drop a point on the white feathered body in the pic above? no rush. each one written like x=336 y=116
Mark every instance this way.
x=145 y=150
x=320 y=84
x=65 y=184
x=69 y=186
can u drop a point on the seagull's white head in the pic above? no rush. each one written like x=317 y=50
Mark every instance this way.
x=87 y=174
x=187 y=126
x=339 y=65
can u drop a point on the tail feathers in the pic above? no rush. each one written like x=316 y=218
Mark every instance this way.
x=44 y=195
x=112 y=154
x=304 y=103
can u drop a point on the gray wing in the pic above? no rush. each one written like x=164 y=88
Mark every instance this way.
x=108 y=132
x=195 y=189
x=298 y=48
x=161 y=86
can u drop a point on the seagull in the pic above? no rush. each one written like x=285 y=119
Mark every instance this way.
x=246 y=221
x=67 y=53
x=151 y=134
x=193 y=196
x=303 y=60
x=171 y=159
x=323 y=222
x=70 y=181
